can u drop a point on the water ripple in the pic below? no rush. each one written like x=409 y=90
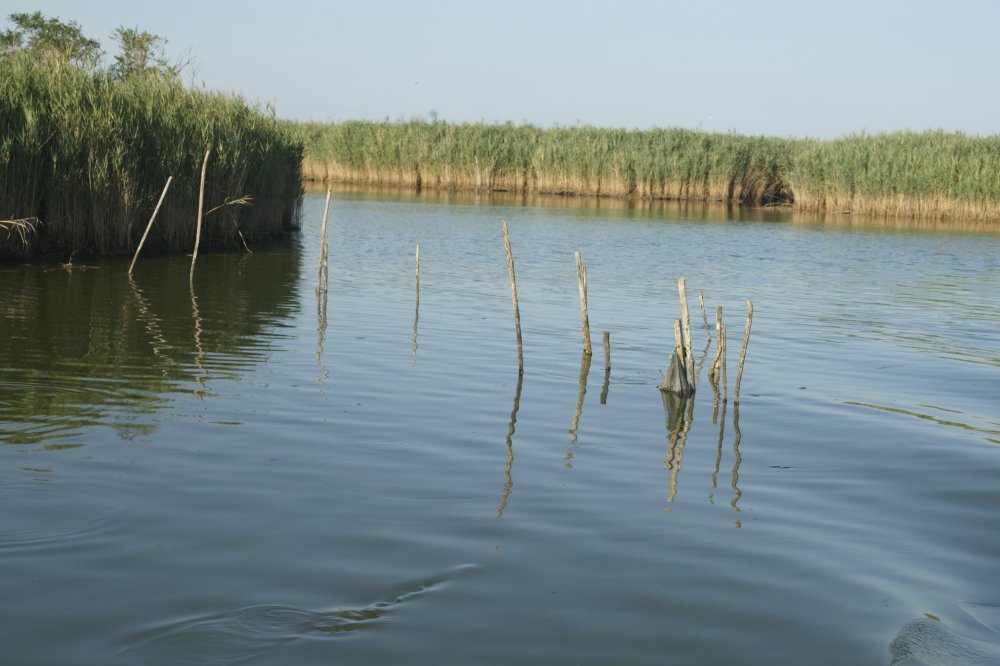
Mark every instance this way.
x=234 y=637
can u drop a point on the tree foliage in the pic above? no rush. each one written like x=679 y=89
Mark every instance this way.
x=141 y=53
x=55 y=42
x=49 y=40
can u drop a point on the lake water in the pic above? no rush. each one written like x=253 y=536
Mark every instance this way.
x=240 y=471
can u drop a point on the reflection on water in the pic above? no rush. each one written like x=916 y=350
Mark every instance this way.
x=988 y=427
x=574 y=425
x=173 y=446
x=680 y=414
x=416 y=307
x=80 y=347
x=659 y=209
x=322 y=301
x=511 y=427
x=679 y=411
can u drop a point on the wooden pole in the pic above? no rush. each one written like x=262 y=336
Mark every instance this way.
x=513 y=297
x=150 y=225
x=713 y=371
x=689 y=354
x=323 y=266
x=704 y=317
x=581 y=278
x=201 y=209
x=676 y=379
x=743 y=353
x=725 y=387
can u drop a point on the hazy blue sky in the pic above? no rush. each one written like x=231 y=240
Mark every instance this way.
x=765 y=67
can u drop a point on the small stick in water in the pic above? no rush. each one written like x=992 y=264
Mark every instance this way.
x=150 y=225
x=581 y=278
x=743 y=353
x=701 y=301
x=513 y=296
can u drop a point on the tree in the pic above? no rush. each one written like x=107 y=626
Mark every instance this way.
x=141 y=52
x=49 y=40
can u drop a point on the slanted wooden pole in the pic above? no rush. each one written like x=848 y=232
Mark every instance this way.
x=686 y=319
x=150 y=225
x=713 y=371
x=743 y=353
x=581 y=278
x=201 y=214
x=513 y=297
x=321 y=284
x=704 y=317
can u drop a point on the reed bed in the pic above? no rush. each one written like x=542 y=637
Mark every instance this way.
x=928 y=174
x=88 y=155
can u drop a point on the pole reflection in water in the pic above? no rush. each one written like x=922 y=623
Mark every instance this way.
x=718 y=450
x=737 y=493
x=679 y=418
x=416 y=311
x=199 y=356
x=508 y=480
x=575 y=424
x=152 y=325
x=321 y=323
x=679 y=411
x=607 y=368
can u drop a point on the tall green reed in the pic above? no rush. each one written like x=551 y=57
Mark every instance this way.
x=88 y=154
x=930 y=174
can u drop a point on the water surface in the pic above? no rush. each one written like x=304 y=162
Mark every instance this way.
x=242 y=471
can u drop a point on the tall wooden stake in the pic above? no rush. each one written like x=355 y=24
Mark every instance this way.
x=686 y=320
x=201 y=212
x=713 y=371
x=321 y=284
x=513 y=297
x=150 y=225
x=581 y=278
x=725 y=386
x=743 y=353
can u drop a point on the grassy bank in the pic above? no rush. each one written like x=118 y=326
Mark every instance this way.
x=932 y=174
x=84 y=156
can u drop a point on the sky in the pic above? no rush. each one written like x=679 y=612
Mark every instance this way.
x=774 y=67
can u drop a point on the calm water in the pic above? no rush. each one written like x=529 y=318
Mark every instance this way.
x=244 y=473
